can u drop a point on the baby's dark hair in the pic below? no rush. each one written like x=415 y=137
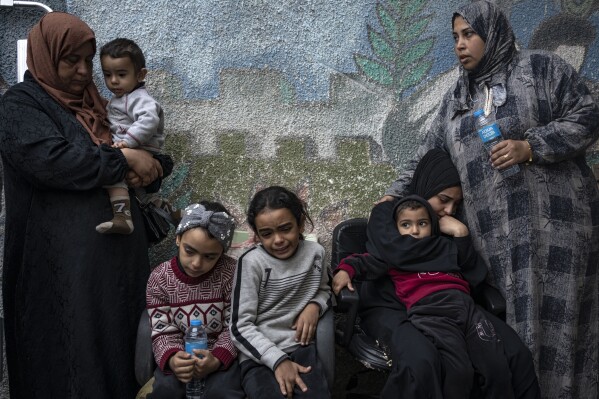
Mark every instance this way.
x=121 y=47
x=276 y=197
x=410 y=204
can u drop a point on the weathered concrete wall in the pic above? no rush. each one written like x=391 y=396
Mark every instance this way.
x=327 y=97
x=330 y=97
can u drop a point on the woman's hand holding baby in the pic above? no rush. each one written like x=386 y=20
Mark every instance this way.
x=144 y=168
x=120 y=144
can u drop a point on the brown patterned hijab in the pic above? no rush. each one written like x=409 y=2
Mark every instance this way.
x=55 y=36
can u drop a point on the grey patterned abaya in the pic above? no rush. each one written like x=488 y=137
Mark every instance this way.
x=539 y=230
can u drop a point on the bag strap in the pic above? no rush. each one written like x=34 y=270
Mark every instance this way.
x=164 y=214
x=159 y=211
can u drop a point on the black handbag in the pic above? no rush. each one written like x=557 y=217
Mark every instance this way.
x=156 y=221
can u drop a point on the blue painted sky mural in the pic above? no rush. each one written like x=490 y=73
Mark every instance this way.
x=306 y=41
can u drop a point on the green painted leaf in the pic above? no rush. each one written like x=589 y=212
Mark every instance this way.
x=396 y=4
x=388 y=23
x=415 y=30
x=380 y=46
x=413 y=8
x=374 y=70
x=414 y=76
x=414 y=53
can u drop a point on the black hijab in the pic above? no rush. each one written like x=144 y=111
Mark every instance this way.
x=388 y=249
x=404 y=252
x=435 y=172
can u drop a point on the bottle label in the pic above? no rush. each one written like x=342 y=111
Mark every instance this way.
x=489 y=133
x=190 y=346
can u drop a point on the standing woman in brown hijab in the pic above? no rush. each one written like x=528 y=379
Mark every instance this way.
x=72 y=297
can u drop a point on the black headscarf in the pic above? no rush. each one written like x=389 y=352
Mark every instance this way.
x=435 y=172
x=489 y=22
x=404 y=252
x=388 y=249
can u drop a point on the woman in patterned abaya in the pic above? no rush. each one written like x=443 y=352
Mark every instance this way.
x=72 y=297
x=538 y=230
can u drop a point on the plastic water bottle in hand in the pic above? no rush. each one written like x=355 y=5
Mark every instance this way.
x=489 y=133
x=195 y=338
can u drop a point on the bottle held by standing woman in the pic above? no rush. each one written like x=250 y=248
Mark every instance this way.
x=489 y=133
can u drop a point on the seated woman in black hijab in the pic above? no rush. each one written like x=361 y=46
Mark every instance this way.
x=433 y=269
x=417 y=371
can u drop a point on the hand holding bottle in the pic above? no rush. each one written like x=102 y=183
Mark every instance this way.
x=510 y=152
x=182 y=365
x=489 y=133
x=205 y=363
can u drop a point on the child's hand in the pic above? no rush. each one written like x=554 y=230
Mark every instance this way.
x=120 y=144
x=385 y=198
x=305 y=324
x=342 y=280
x=205 y=365
x=182 y=365
x=287 y=375
x=453 y=227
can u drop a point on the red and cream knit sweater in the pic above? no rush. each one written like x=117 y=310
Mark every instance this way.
x=173 y=299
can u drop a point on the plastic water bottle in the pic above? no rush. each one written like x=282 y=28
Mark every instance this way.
x=489 y=133
x=195 y=338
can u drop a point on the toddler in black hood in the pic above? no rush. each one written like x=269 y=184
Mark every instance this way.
x=433 y=277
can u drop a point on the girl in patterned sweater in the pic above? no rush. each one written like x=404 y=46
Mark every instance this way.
x=281 y=290
x=196 y=284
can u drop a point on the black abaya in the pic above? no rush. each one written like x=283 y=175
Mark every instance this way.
x=72 y=296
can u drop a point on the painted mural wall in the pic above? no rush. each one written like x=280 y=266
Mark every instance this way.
x=327 y=97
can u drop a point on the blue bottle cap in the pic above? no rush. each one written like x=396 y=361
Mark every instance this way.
x=196 y=323
x=478 y=113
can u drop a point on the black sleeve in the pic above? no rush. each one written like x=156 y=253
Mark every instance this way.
x=166 y=161
x=50 y=148
x=472 y=266
x=366 y=266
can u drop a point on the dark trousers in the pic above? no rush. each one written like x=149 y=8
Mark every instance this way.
x=416 y=371
x=218 y=385
x=259 y=381
x=467 y=343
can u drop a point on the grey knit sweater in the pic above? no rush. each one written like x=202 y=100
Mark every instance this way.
x=137 y=119
x=268 y=295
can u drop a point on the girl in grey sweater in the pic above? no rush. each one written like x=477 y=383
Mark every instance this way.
x=280 y=291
